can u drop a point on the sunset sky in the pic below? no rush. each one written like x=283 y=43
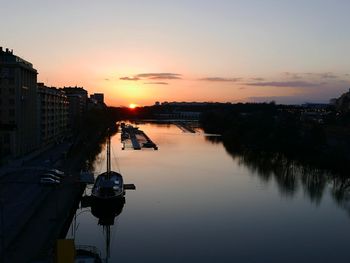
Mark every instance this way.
x=142 y=51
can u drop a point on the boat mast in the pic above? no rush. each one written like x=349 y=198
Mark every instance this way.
x=108 y=154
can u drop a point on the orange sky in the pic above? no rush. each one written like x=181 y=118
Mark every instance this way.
x=226 y=51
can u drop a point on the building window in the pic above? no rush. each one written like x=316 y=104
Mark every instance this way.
x=12 y=72
x=7 y=138
x=11 y=112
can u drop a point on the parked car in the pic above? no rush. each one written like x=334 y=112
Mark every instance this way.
x=50 y=175
x=56 y=172
x=49 y=181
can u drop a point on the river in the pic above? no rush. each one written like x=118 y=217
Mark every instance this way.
x=196 y=202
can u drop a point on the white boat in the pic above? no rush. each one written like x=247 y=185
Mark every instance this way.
x=108 y=185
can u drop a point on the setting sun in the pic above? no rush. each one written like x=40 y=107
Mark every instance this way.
x=132 y=106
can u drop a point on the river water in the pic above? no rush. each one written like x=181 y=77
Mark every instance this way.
x=196 y=202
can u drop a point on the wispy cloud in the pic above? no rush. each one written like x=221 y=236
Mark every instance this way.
x=220 y=79
x=156 y=83
x=106 y=79
x=159 y=76
x=292 y=75
x=153 y=76
x=258 y=79
x=286 y=84
x=324 y=75
x=130 y=78
x=328 y=75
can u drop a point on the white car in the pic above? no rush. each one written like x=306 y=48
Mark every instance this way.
x=49 y=181
x=56 y=172
x=51 y=175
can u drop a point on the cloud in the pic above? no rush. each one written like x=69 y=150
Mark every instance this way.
x=292 y=75
x=328 y=75
x=285 y=84
x=324 y=75
x=220 y=79
x=156 y=83
x=130 y=78
x=258 y=79
x=159 y=76
x=107 y=79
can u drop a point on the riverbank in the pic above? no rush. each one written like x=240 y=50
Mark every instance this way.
x=270 y=130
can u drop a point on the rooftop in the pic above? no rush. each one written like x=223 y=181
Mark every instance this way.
x=7 y=56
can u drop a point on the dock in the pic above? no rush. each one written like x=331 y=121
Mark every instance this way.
x=185 y=127
x=129 y=187
x=149 y=143
x=138 y=138
x=135 y=143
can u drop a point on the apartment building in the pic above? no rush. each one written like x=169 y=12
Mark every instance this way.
x=18 y=105
x=53 y=108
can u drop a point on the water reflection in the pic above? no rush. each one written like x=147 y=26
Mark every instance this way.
x=341 y=192
x=208 y=202
x=290 y=175
x=106 y=213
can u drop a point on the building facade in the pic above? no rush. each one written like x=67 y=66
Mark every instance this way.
x=53 y=114
x=18 y=105
x=98 y=97
x=77 y=97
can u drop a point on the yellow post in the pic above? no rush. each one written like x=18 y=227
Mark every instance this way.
x=65 y=251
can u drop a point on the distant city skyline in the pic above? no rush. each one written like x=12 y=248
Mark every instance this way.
x=225 y=51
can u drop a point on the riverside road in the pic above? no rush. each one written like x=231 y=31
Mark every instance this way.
x=33 y=215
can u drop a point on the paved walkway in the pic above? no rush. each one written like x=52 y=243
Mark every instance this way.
x=23 y=199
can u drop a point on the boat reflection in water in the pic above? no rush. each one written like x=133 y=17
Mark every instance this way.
x=106 y=201
x=106 y=214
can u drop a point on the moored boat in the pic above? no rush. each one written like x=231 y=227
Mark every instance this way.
x=108 y=185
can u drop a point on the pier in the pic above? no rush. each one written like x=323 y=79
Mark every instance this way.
x=129 y=133
x=135 y=143
x=138 y=138
x=185 y=127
